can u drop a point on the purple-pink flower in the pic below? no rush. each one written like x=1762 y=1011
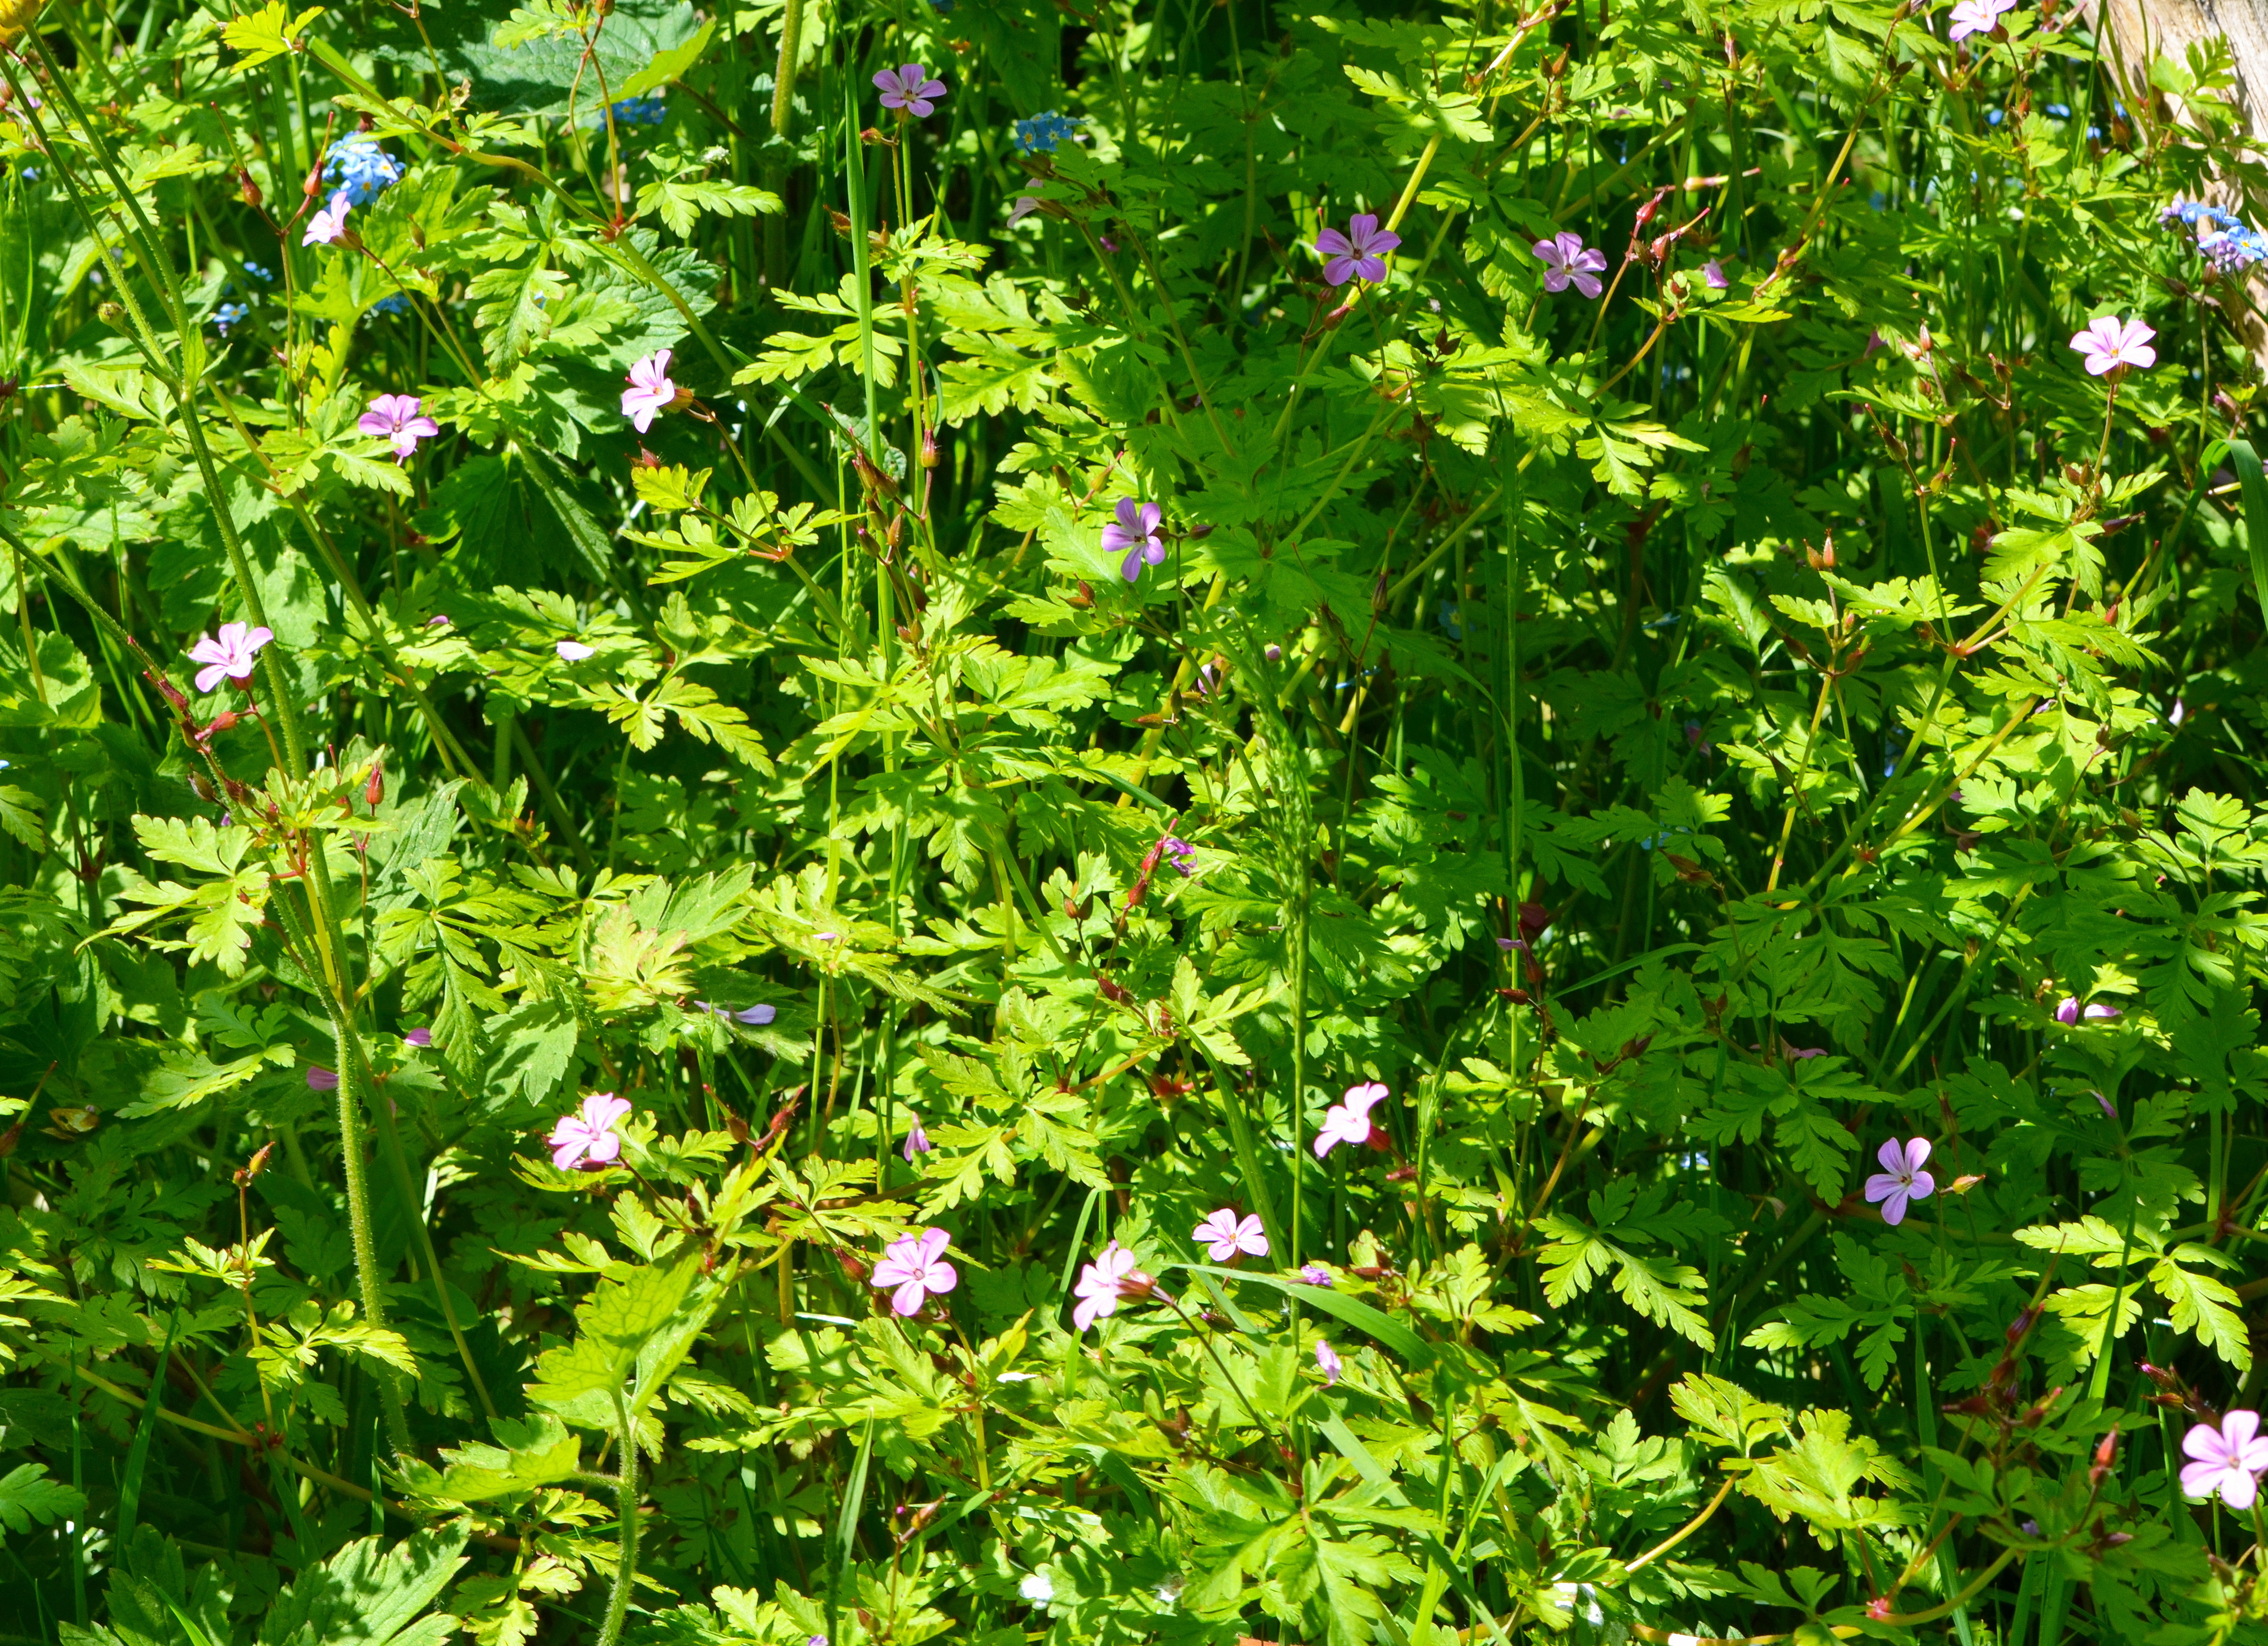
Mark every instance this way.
x=419 y=1039
x=1567 y=262
x=1224 y=1234
x=321 y=1079
x=916 y=1140
x=1135 y=532
x=909 y=87
x=1714 y=276
x=1360 y=253
x=1315 y=1275
x=2226 y=1461
x=587 y=1141
x=1097 y=1290
x=916 y=1267
x=230 y=656
x=1183 y=853
x=1026 y=204
x=650 y=392
x=573 y=651
x=330 y=223
x=2111 y=342
x=2068 y=1010
x=1350 y=1121
x=399 y=419
x=1901 y=1178
x=1328 y=1362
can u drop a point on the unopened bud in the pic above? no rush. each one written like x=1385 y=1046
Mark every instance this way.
x=247 y=190
x=2106 y=1455
x=373 y=793
x=254 y=1167
x=1822 y=559
x=930 y=456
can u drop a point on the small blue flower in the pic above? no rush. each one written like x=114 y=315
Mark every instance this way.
x=226 y=316
x=649 y=110
x=1041 y=133
x=2059 y=111
x=257 y=272
x=1452 y=619
x=358 y=165
x=397 y=303
x=1993 y=117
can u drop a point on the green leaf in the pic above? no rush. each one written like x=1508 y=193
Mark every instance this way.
x=368 y=1595
x=267 y=32
x=1383 y=1327
x=28 y=1496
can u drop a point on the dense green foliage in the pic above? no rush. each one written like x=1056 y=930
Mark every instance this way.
x=1592 y=758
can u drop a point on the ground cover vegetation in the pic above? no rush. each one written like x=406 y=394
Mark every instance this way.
x=994 y=821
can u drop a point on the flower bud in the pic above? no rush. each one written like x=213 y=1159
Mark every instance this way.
x=374 y=793
x=930 y=456
x=2106 y=1455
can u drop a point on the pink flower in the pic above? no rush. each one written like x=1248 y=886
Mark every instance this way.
x=650 y=392
x=1901 y=1178
x=915 y=1266
x=1026 y=204
x=327 y=224
x=1714 y=276
x=1098 y=1285
x=909 y=87
x=1224 y=1234
x=1977 y=16
x=321 y=1079
x=2068 y=1011
x=1566 y=263
x=573 y=651
x=916 y=1140
x=418 y=1037
x=1350 y=1122
x=2226 y=1461
x=1136 y=532
x=1328 y=1359
x=2111 y=342
x=1315 y=1275
x=588 y=1140
x=1360 y=253
x=230 y=656
x=396 y=418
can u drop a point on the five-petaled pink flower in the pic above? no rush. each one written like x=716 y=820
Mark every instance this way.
x=2068 y=1010
x=330 y=223
x=1977 y=16
x=1360 y=253
x=2226 y=1461
x=1901 y=1178
x=1224 y=1234
x=2111 y=342
x=1567 y=262
x=909 y=87
x=573 y=651
x=229 y=657
x=1098 y=1285
x=1327 y=1360
x=650 y=392
x=588 y=1140
x=915 y=1266
x=398 y=418
x=1350 y=1122
x=1135 y=532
